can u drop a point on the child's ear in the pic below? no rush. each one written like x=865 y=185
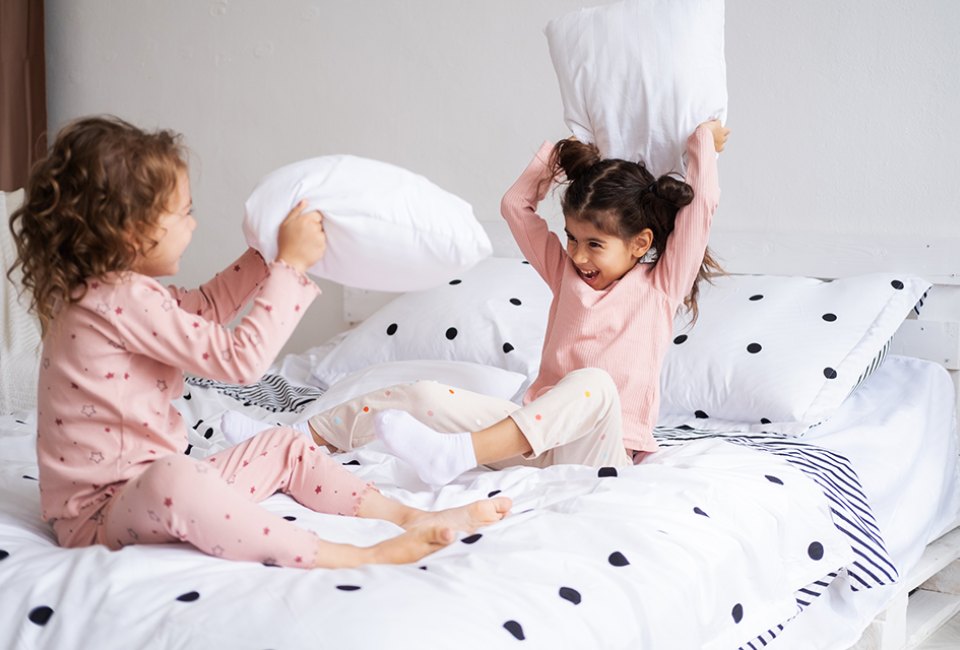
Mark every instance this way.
x=641 y=243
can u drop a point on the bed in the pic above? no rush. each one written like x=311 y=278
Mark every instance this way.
x=734 y=535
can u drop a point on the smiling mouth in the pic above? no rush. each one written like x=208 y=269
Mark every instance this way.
x=588 y=275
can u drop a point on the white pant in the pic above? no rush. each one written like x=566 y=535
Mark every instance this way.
x=577 y=421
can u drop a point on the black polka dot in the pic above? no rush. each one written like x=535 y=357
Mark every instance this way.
x=700 y=415
x=422 y=568
x=515 y=301
x=685 y=427
x=607 y=471
x=189 y=449
x=507 y=348
x=455 y=282
x=829 y=317
x=451 y=333
x=701 y=512
x=471 y=539
x=896 y=284
x=764 y=421
x=829 y=373
x=515 y=629
x=208 y=433
x=29 y=478
x=756 y=297
x=188 y=597
x=680 y=339
x=617 y=559
x=815 y=551
x=753 y=348
x=570 y=594
x=348 y=587
x=289 y=517
x=737 y=613
x=773 y=479
x=493 y=493
x=391 y=329
x=187 y=396
x=352 y=462
x=4 y=554
x=525 y=262
x=40 y=615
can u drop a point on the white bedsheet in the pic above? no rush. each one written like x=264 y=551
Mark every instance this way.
x=899 y=431
x=670 y=554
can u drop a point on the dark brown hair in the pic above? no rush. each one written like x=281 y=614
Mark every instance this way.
x=622 y=198
x=90 y=206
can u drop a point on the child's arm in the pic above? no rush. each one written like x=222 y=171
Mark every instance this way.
x=222 y=298
x=540 y=246
x=679 y=264
x=151 y=324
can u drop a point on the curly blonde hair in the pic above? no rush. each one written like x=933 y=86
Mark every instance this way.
x=90 y=206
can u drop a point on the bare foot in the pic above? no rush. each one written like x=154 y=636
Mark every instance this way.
x=412 y=545
x=465 y=518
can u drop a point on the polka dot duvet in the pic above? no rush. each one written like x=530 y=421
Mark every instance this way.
x=714 y=542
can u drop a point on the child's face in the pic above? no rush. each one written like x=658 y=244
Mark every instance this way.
x=602 y=259
x=172 y=234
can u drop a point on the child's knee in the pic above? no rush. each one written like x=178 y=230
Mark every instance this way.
x=171 y=477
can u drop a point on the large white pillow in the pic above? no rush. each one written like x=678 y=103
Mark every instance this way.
x=19 y=328
x=779 y=353
x=494 y=314
x=637 y=77
x=388 y=229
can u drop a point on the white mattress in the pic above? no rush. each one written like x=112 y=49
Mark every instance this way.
x=696 y=548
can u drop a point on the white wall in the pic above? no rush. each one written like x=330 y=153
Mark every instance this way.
x=844 y=114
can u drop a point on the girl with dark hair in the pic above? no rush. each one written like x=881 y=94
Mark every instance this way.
x=596 y=398
x=107 y=211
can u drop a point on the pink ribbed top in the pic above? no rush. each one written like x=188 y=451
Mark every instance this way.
x=624 y=329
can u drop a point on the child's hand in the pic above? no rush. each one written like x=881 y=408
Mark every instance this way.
x=301 y=241
x=720 y=134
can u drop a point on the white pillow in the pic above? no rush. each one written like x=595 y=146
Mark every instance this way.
x=637 y=77
x=485 y=380
x=776 y=353
x=495 y=315
x=388 y=229
x=19 y=328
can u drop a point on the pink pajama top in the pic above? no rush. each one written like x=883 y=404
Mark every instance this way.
x=113 y=362
x=626 y=328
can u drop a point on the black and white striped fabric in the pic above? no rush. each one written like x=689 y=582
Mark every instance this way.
x=272 y=393
x=852 y=514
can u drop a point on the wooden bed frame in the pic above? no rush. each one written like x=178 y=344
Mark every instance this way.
x=929 y=595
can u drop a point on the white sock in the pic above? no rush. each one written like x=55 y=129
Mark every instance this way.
x=238 y=427
x=438 y=457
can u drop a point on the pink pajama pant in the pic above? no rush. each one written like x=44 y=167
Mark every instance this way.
x=213 y=503
x=577 y=421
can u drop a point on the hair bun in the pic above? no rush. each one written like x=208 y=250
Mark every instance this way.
x=672 y=190
x=575 y=157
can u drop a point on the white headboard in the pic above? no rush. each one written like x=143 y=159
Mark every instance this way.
x=933 y=335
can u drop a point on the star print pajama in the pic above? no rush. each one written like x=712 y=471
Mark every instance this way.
x=212 y=503
x=576 y=421
x=110 y=440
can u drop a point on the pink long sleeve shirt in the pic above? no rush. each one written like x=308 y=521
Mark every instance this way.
x=626 y=328
x=113 y=362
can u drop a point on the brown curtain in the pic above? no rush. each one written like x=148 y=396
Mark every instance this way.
x=23 y=96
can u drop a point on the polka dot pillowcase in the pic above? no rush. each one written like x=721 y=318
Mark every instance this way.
x=494 y=314
x=777 y=353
